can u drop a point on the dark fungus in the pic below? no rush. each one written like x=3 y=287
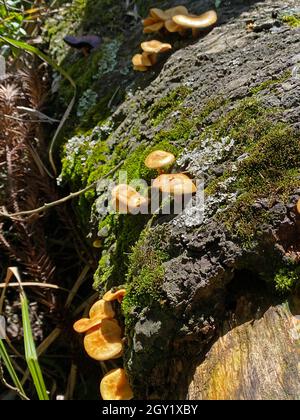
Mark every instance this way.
x=85 y=43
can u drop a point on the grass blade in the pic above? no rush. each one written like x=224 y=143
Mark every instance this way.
x=30 y=352
x=4 y=356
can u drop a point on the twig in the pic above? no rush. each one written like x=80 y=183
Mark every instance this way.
x=10 y=387
x=33 y=284
x=63 y=200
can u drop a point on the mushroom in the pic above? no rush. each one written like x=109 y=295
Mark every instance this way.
x=159 y=14
x=104 y=342
x=102 y=309
x=298 y=206
x=176 y=184
x=142 y=60
x=159 y=160
x=204 y=21
x=126 y=198
x=118 y=295
x=177 y=10
x=156 y=27
x=85 y=43
x=148 y=58
x=155 y=47
x=115 y=386
x=99 y=311
x=172 y=27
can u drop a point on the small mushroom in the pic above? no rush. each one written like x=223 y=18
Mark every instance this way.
x=100 y=310
x=158 y=14
x=196 y=23
x=115 y=386
x=160 y=160
x=149 y=21
x=140 y=68
x=85 y=43
x=118 y=295
x=126 y=198
x=155 y=47
x=172 y=27
x=142 y=60
x=176 y=184
x=104 y=342
x=156 y=27
x=178 y=10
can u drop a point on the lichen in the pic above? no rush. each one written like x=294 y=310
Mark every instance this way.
x=86 y=101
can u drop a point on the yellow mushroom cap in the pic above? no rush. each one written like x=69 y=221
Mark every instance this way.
x=104 y=342
x=158 y=14
x=153 y=28
x=127 y=198
x=155 y=47
x=99 y=311
x=172 y=27
x=197 y=22
x=115 y=386
x=111 y=296
x=298 y=206
x=142 y=60
x=102 y=309
x=159 y=159
x=86 y=324
x=149 y=21
x=177 y=184
x=178 y=10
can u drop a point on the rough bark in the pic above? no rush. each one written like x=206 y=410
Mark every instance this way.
x=229 y=104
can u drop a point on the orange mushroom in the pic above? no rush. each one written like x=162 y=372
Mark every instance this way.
x=196 y=23
x=115 y=386
x=126 y=198
x=176 y=184
x=100 y=310
x=156 y=27
x=159 y=159
x=155 y=47
x=158 y=14
x=118 y=295
x=104 y=342
x=141 y=60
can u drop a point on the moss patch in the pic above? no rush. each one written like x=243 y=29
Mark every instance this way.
x=163 y=107
x=287 y=279
x=144 y=279
x=292 y=20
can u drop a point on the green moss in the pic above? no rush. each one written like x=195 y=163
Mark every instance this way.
x=292 y=20
x=270 y=167
x=269 y=84
x=144 y=279
x=287 y=279
x=163 y=107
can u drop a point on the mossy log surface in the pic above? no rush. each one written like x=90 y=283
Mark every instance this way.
x=227 y=104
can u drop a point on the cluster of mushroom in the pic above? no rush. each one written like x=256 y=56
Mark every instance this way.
x=178 y=19
x=127 y=199
x=103 y=342
x=148 y=58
